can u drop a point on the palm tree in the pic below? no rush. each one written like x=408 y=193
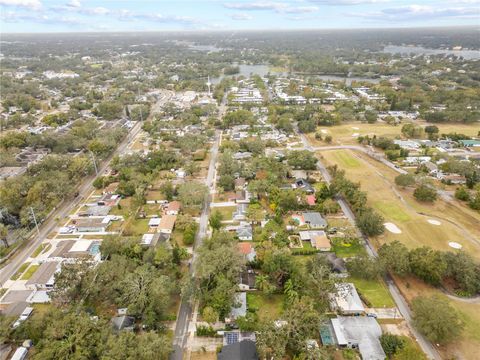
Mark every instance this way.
x=261 y=282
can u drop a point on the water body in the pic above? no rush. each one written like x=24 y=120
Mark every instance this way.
x=419 y=50
x=348 y=80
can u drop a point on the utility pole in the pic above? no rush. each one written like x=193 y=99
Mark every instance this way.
x=94 y=162
x=35 y=220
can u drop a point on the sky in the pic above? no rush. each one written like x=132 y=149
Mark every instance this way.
x=37 y=16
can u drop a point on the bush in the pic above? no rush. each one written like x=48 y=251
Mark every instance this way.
x=391 y=344
x=205 y=331
x=425 y=193
x=462 y=194
x=405 y=180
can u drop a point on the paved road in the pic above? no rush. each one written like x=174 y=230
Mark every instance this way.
x=185 y=312
x=62 y=211
x=402 y=305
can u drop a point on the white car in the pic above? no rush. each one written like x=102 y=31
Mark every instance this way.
x=23 y=316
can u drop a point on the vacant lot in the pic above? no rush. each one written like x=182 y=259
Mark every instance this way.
x=266 y=306
x=398 y=206
x=374 y=291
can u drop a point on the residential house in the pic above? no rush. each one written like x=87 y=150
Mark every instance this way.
x=242 y=155
x=320 y=241
x=167 y=224
x=123 y=323
x=431 y=167
x=240 y=183
x=245 y=232
x=154 y=222
x=337 y=265
x=346 y=300
x=173 y=208
x=247 y=250
x=97 y=224
x=303 y=185
x=359 y=332
x=44 y=277
x=242 y=350
x=247 y=280
x=151 y=239
x=314 y=220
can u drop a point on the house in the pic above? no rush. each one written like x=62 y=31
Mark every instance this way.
x=154 y=222
x=359 y=332
x=303 y=185
x=123 y=322
x=247 y=280
x=242 y=155
x=239 y=308
x=91 y=224
x=245 y=232
x=232 y=337
x=173 y=208
x=151 y=239
x=346 y=300
x=452 y=178
x=337 y=265
x=167 y=224
x=44 y=277
x=470 y=143
x=247 y=250
x=314 y=220
x=320 y=241
x=240 y=183
x=242 y=350
x=431 y=167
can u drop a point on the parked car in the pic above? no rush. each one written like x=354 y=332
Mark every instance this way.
x=23 y=316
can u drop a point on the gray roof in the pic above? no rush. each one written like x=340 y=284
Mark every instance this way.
x=347 y=299
x=240 y=306
x=44 y=273
x=123 y=322
x=314 y=219
x=245 y=231
x=363 y=331
x=243 y=350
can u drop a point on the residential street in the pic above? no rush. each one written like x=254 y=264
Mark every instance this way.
x=185 y=312
x=61 y=212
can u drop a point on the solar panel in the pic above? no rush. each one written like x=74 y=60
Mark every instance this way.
x=232 y=338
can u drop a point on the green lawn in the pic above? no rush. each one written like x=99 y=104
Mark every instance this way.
x=375 y=291
x=347 y=159
x=30 y=271
x=391 y=211
x=20 y=271
x=345 y=250
x=137 y=227
x=41 y=248
x=266 y=306
x=226 y=211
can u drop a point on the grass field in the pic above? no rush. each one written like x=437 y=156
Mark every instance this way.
x=226 y=211
x=267 y=307
x=398 y=206
x=342 y=134
x=345 y=250
x=20 y=271
x=374 y=291
x=30 y=271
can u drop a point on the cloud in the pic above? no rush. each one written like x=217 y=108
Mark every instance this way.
x=30 y=4
x=279 y=7
x=349 y=2
x=74 y=4
x=39 y=18
x=416 y=12
x=241 y=16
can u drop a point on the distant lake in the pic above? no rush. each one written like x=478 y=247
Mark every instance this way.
x=419 y=50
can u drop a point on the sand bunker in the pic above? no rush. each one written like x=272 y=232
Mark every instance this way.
x=324 y=131
x=355 y=128
x=434 y=222
x=355 y=135
x=392 y=228
x=454 y=245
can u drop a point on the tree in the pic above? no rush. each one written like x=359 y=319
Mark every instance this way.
x=371 y=116
x=255 y=213
x=365 y=267
x=436 y=319
x=395 y=257
x=431 y=131
x=168 y=190
x=4 y=234
x=405 y=180
x=209 y=315
x=328 y=139
x=192 y=194
x=391 y=344
x=370 y=222
x=474 y=202
x=461 y=193
x=425 y=193
x=302 y=159
x=227 y=182
x=464 y=270
x=412 y=131
x=261 y=282
x=215 y=220
x=428 y=264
